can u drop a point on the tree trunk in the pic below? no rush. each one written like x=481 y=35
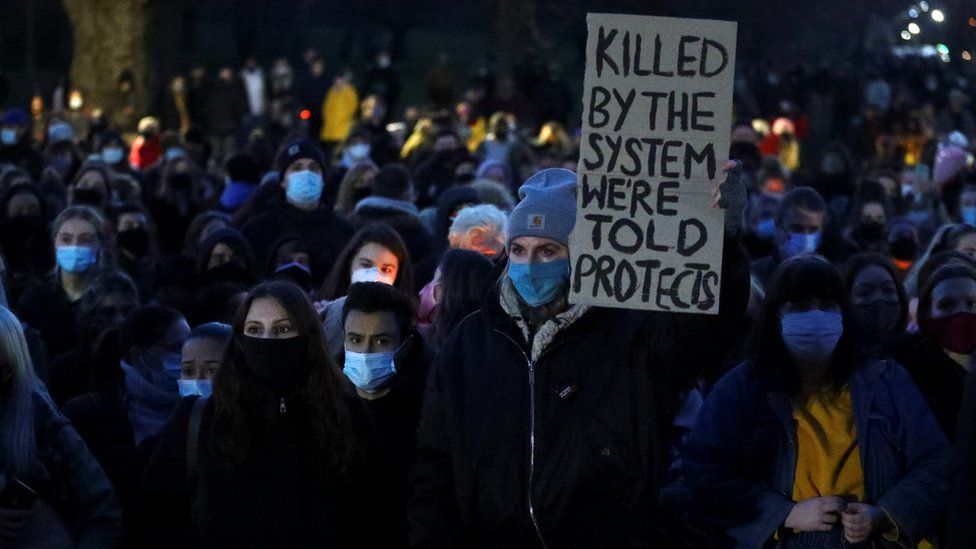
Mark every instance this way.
x=109 y=44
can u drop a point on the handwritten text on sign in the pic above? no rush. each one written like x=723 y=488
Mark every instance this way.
x=657 y=108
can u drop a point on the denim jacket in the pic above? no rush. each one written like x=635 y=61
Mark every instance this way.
x=741 y=455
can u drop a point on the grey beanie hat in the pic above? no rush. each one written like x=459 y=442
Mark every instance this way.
x=547 y=208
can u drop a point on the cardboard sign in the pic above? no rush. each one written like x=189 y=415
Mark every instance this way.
x=657 y=115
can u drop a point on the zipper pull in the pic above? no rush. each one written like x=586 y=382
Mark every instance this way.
x=282 y=408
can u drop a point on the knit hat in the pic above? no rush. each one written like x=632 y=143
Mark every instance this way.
x=14 y=117
x=298 y=149
x=547 y=209
x=948 y=161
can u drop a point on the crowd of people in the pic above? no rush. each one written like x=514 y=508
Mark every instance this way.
x=279 y=314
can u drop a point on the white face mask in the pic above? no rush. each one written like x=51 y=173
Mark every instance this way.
x=370 y=275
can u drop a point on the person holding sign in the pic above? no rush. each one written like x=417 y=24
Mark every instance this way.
x=809 y=445
x=545 y=424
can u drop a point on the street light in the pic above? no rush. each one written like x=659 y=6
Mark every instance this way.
x=942 y=48
x=913 y=13
x=924 y=5
x=913 y=28
x=905 y=35
x=938 y=16
x=966 y=56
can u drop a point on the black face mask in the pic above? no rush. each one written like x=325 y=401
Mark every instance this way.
x=88 y=197
x=229 y=272
x=180 y=181
x=135 y=241
x=904 y=248
x=279 y=363
x=870 y=231
x=875 y=322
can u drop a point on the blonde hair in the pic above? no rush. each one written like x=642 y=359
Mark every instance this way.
x=18 y=448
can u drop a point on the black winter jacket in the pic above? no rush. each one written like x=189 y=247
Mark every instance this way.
x=566 y=450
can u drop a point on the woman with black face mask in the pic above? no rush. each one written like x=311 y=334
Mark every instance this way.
x=225 y=256
x=25 y=241
x=879 y=306
x=175 y=201
x=138 y=251
x=277 y=455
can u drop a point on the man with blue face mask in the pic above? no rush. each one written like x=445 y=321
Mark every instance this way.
x=544 y=422
x=299 y=208
x=387 y=361
x=799 y=226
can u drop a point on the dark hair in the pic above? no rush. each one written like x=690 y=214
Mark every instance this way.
x=287 y=245
x=192 y=237
x=217 y=331
x=146 y=326
x=938 y=260
x=797 y=279
x=392 y=181
x=337 y=285
x=215 y=303
x=465 y=278
x=240 y=400
x=869 y=191
x=376 y=297
x=150 y=225
x=801 y=197
x=942 y=274
x=859 y=262
x=952 y=237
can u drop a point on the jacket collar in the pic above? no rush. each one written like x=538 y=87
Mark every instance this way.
x=512 y=306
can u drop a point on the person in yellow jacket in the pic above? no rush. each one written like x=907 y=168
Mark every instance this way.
x=338 y=111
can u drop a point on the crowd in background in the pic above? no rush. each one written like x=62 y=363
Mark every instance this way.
x=291 y=310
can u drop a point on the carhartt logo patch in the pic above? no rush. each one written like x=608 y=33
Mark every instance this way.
x=537 y=222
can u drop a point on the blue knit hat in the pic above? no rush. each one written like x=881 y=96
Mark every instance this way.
x=547 y=208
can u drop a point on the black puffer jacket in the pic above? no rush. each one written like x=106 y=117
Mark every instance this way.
x=566 y=449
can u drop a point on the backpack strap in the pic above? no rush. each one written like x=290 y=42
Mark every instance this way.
x=193 y=440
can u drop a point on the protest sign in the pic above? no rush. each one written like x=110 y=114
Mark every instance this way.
x=657 y=113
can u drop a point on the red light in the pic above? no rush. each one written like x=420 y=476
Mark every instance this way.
x=305 y=114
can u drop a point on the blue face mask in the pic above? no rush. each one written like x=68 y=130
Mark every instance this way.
x=799 y=244
x=112 y=155
x=369 y=371
x=304 y=187
x=199 y=387
x=539 y=283
x=812 y=335
x=766 y=229
x=76 y=259
x=969 y=215
x=8 y=136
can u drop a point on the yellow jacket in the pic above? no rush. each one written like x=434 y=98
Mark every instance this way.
x=338 y=113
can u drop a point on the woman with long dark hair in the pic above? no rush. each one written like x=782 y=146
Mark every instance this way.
x=465 y=278
x=277 y=453
x=807 y=445
x=376 y=253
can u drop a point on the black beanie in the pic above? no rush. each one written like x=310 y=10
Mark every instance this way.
x=300 y=148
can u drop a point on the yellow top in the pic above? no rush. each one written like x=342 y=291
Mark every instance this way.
x=339 y=112
x=828 y=461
